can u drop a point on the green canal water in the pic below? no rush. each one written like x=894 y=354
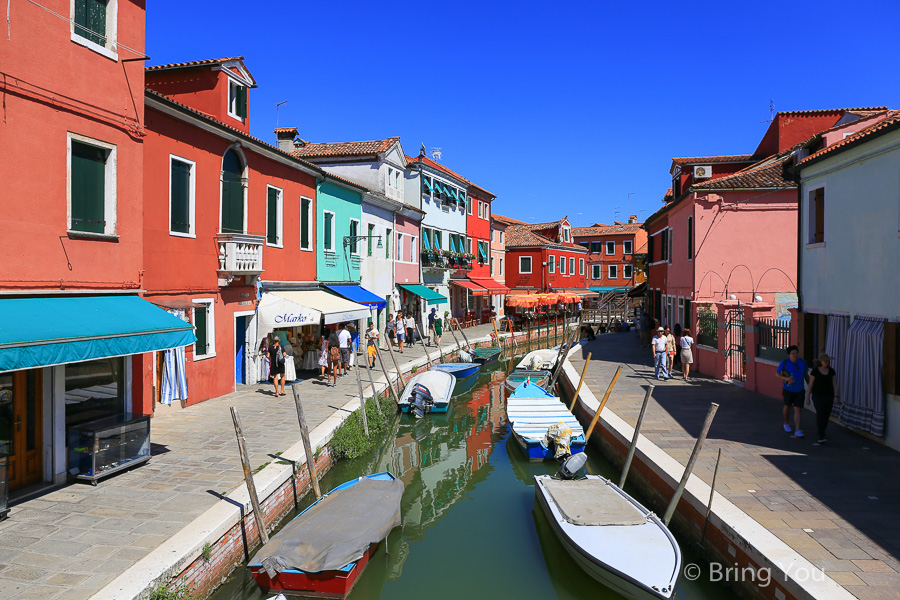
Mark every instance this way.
x=471 y=528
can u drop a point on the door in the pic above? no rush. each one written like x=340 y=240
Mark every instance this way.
x=232 y=194
x=21 y=404
x=240 y=349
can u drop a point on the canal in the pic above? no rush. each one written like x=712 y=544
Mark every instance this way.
x=470 y=525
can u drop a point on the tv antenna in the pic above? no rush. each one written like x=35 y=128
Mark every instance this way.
x=771 y=112
x=616 y=213
x=277 y=109
x=436 y=153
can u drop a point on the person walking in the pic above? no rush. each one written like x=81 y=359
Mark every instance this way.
x=334 y=358
x=346 y=344
x=389 y=329
x=371 y=340
x=659 y=353
x=670 y=350
x=431 y=317
x=687 y=354
x=400 y=331
x=645 y=330
x=792 y=371
x=823 y=390
x=437 y=326
x=410 y=325
x=277 y=357
x=323 y=354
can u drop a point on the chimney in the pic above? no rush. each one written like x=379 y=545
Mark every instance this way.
x=632 y=218
x=286 y=137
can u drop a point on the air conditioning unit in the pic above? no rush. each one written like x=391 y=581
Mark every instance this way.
x=703 y=172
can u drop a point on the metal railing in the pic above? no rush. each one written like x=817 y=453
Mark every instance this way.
x=707 y=328
x=773 y=338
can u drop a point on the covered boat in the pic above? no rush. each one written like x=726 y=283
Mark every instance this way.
x=461 y=369
x=539 y=360
x=611 y=536
x=323 y=551
x=542 y=425
x=428 y=392
x=481 y=356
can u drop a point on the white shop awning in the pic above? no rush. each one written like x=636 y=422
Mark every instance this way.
x=295 y=309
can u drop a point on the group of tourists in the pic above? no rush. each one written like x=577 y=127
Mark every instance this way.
x=401 y=331
x=820 y=391
x=671 y=350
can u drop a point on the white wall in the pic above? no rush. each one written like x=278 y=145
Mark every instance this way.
x=376 y=271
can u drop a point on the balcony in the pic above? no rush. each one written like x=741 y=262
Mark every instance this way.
x=240 y=255
x=445 y=259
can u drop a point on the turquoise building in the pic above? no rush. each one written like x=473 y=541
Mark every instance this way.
x=339 y=215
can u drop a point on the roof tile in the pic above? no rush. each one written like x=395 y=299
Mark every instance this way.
x=195 y=63
x=891 y=122
x=334 y=149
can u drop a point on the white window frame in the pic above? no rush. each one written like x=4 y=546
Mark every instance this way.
x=480 y=209
x=501 y=267
x=581 y=266
x=551 y=264
x=596 y=272
x=530 y=265
x=627 y=247
x=562 y=265
x=354 y=244
x=192 y=193
x=279 y=217
x=612 y=271
x=230 y=108
x=400 y=252
x=627 y=271
x=413 y=245
x=610 y=248
x=487 y=211
x=210 y=327
x=328 y=212
x=571 y=265
x=109 y=186
x=309 y=225
x=566 y=235
x=110 y=49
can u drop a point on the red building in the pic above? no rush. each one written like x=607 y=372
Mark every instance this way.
x=490 y=298
x=615 y=254
x=543 y=257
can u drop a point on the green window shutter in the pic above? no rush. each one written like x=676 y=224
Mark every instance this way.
x=232 y=207
x=327 y=237
x=241 y=105
x=180 y=197
x=272 y=217
x=354 y=232
x=369 y=240
x=200 y=331
x=90 y=20
x=304 y=222
x=88 y=181
x=387 y=243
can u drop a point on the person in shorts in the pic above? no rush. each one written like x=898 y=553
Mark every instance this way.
x=371 y=340
x=400 y=331
x=793 y=371
x=346 y=341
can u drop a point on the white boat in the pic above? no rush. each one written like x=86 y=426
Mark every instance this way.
x=533 y=411
x=539 y=360
x=428 y=392
x=611 y=536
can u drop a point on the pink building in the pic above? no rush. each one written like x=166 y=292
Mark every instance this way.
x=407 y=220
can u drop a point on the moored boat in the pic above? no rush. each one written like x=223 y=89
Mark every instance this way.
x=481 y=356
x=461 y=370
x=323 y=551
x=520 y=376
x=542 y=425
x=539 y=360
x=428 y=392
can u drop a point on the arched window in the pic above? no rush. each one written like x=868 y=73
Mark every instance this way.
x=232 y=193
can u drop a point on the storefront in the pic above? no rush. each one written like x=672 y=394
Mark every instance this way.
x=417 y=299
x=67 y=365
x=493 y=301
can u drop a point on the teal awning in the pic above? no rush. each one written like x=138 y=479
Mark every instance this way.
x=430 y=296
x=428 y=184
x=606 y=288
x=39 y=332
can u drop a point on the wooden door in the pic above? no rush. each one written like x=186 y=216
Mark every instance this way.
x=21 y=426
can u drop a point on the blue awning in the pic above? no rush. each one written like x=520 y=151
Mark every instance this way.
x=606 y=288
x=39 y=332
x=358 y=294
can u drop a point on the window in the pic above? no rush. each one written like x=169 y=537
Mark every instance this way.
x=274 y=218
x=501 y=267
x=369 y=239
x=354 y=237
x=399 y=246
x=492 y=267
x=595 y=272
x=469 y=246
x=93 y=389
x=427 y=188
x=237 y=100
x=233 y=197
x=551 y=264
x=480 y=209
x=581 y=266
x=817 y=216
x=565 y=234
x=627 y=247
x=412 y=249
x=469 y=205
x=571 y=265
x=664 y=245
x=387 y=243
x=181 y=196
x=627 y=271
x=487 y=211
x=393 y=186
x=305 y=224
x=562 y=265
x=92 y=186
x=525 y=265
x=650 y=245
x=204 y=329
x=596 y=247
x=613 y=271
x=501 y=237
x=610 y=248
x=437 y=239
x=94 y=25
x=670 y=237
x=483 y=251
x=328 y=233
x=690 y=238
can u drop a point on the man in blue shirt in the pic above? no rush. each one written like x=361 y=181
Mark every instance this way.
x=793 y=372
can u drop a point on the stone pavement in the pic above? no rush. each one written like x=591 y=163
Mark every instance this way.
x=69 y=543
x=835 y=504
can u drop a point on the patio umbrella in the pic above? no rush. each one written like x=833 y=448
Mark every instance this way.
x=522 y=300
x=548 y=299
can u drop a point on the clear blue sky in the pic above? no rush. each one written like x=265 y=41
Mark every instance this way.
x=558 y=108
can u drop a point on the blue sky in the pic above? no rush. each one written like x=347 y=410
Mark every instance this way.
x=558 y=108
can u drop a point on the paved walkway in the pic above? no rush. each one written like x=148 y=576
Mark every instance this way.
x=835 y=504
x=69 y=543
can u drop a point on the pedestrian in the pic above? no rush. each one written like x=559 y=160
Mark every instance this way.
x=793 y=371
x=645 y=330
x=687 y=354
x=410 y=324
x=677 y=332
x=290 y=367
x=823 y=389
x=437 y=326
x=670 y=349
x=354 y=344
x=389 y=328
x=431 y=317
x=323 y=354
x=371 y=340
x=399 y=327
x=578 y=309
x=276 y=359
x=659 y=353
x=346 y=344
x=334 y=358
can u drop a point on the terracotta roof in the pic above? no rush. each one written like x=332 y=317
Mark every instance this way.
x=548 y=225
x=436 y=165
x=522 y=235
x=195 y=63
x=618 y=229
x=286 y=130
x=725 y=158
x=766 y=174
x=891 y=123
x=507 y=220
x=823 y=111
x=332 y=149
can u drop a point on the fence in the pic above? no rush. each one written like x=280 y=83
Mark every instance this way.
x=774 y=337
x=707 y=328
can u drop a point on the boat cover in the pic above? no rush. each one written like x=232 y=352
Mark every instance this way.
x=592 y=502
x=337 y=531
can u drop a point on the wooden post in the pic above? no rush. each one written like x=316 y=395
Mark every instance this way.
x=634 y=439
x=450 y=329
x=362 y=401
x=609 y=390
x=712 y=492
x=563 y=353
x=424 y=347
x=394 y=359
x=496 y=333
x=587 y=362
x=463 y=333
x=387 y=376
x=670 y=510
x=248 y=477
x=307 y=446
x=372 y=380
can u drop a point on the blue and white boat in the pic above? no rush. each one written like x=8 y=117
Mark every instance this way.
x=542 y=425
x=428 y=392
x=461 y=370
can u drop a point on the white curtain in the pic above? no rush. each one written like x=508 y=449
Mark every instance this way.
x=836 y=347
x=174 y=381
x=860 y=377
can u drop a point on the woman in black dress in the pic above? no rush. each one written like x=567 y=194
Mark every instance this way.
x=822 y=388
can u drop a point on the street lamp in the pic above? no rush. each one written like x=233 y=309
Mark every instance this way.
x=352 y=239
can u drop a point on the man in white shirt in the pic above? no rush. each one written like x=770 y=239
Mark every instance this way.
x=410 y=324
x=659 y=353
x=344 y=338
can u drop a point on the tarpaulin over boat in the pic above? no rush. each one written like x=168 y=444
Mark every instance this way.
x=336 y=531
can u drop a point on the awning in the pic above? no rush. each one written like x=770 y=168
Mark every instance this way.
x=39 y=332
x=430 y=296
x=600 y=289
x=307 y=307
x=638 y=290
x=473 y=287
x=494 y=287
x=579 y=291
x=358 y=294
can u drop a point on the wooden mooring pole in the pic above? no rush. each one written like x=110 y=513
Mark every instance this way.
x=634 y=438
x=372 y=380
x=362 y=401
x=307 y=446
x=609 y=390
x=587 y=361
x=387 y=375
x=248 y=477
x=424 y=347
x=670 y=510
x=712 y=492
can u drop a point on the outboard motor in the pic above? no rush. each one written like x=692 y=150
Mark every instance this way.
x=571 y=466
x=422 y=401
